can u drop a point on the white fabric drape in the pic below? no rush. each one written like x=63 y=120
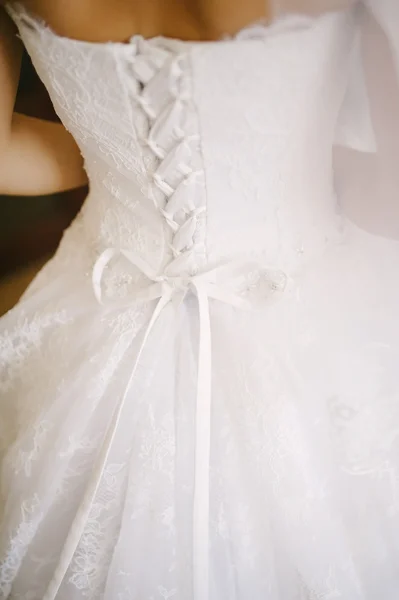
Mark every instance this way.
x=367 y=136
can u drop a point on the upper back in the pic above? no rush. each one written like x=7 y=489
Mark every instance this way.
x=117 y=20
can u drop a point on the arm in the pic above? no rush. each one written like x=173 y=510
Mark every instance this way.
x=36 y=156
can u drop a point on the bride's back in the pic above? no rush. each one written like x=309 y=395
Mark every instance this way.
x=104 y=20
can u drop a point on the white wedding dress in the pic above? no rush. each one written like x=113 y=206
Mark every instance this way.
x=200 y=391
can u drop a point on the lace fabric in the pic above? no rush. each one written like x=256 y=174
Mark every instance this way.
x=193 y=166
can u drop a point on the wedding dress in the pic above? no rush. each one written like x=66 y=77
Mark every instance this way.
x=199 y=392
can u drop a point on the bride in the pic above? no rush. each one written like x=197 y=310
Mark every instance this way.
x=198 y=393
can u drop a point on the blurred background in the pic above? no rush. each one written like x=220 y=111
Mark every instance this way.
x=31 y=228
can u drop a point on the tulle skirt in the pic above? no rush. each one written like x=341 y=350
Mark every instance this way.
x=304 y=463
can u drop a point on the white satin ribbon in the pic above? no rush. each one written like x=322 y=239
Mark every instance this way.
x=246 y=279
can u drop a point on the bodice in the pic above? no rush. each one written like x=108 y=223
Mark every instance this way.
x=201 y=152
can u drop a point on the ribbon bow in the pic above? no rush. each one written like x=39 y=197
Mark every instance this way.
x=242 y=285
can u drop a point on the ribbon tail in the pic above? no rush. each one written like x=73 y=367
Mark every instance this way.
x=83 y=511
x=202 y=453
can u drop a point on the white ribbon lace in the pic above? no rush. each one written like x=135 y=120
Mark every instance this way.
x=242 y=285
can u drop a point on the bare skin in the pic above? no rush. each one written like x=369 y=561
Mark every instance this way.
x=117 y=19
x=45 y=153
